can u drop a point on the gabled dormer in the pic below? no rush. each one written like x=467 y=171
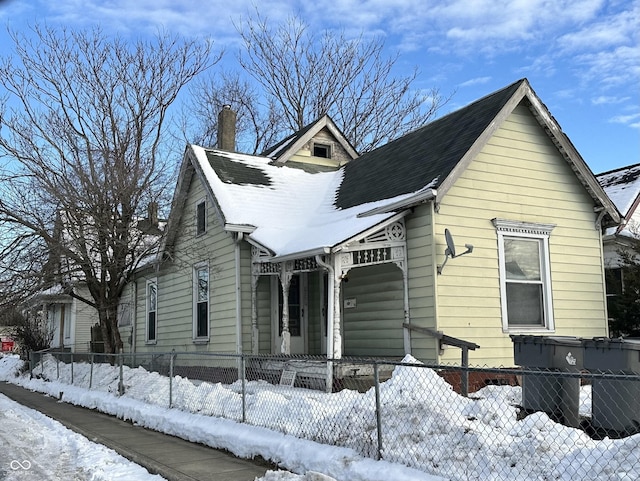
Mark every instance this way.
x=319 y=146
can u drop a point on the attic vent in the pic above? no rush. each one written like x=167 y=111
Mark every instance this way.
x=322 y=150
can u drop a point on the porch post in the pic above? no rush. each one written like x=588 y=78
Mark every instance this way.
x=400 y=254
x=341 y=265
x=255 y=332
x=285 y=282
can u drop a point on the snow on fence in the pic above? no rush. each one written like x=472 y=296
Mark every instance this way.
x=557 y=426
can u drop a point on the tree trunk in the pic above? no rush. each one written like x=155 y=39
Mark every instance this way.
x=108 y=317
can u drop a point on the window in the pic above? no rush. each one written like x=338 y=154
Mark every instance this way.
x=152 y=310
x=65 y=311
x=201 y=302
x=525 y=280
x=322 y=150
x=201 y=218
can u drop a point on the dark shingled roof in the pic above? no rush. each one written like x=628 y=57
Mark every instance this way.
x=413 y=161
x=232 y=172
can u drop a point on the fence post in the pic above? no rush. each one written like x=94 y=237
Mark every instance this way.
x=464 y=377
x=57 y=368
x=244 y=389
x=32 y=360
x=376 y=378
x=120 y=381
x=71 y=369
x=91 y=372
x=171 y=360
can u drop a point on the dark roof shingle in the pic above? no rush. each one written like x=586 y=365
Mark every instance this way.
x=415 y=160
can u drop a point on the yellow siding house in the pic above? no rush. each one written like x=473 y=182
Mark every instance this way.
x=357 y=243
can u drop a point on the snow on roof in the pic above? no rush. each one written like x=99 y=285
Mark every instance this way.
x=293 y=211
x=622 y=186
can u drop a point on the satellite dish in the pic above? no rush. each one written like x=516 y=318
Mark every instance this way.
x=451 y=247
x=450 y=251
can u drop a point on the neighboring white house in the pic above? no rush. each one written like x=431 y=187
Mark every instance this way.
x=622 y=185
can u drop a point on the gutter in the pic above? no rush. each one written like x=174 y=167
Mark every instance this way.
x=315 y=252
x=419 y=198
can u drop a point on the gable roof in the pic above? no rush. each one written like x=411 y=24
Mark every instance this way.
x=423 y=156
x=292 y=212
x=622 y=185
x=439 y=152
x=283 y=150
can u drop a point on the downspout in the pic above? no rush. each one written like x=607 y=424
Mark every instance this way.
x=238 y=239
x=601 y=214
x=434 y=275
x=330 y=289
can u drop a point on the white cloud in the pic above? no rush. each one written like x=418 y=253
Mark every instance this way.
x=608 y=100
x=475 y=81
x=626 y=119
x=616 y=28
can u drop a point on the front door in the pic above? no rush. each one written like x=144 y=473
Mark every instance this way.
x=297 y=314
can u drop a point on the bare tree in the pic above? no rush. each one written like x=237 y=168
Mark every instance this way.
x=82 y=127
x=302 y=75
x=259 y=125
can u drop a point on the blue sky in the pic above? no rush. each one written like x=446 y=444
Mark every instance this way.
x=582 y=57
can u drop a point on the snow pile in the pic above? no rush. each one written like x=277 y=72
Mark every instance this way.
x=426 y=426
x=37 y=447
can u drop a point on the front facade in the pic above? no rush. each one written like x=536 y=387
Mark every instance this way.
x=358 y=246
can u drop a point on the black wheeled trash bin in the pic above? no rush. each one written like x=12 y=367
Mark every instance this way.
x=546 y=388
x=615 y=402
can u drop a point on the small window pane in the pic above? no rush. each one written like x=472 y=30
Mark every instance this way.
x=151 y=327
x=203 y=285
x=200 y=218
x=522 y=259
x=322 y=150
x=525 y=304
x=153 y=291
x=202 y=319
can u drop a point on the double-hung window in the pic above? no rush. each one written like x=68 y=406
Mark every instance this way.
x=152 y=310
x=201 y=302
x=525 y=278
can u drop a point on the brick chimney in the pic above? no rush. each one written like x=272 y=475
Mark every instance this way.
x=227 y=129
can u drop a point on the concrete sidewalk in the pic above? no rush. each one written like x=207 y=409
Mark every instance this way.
x=171 y=457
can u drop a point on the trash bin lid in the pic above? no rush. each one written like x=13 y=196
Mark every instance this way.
x=555 y=340
x=631 y=344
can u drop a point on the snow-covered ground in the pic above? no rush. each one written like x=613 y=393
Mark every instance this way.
x=430 y=431
x=35 y=446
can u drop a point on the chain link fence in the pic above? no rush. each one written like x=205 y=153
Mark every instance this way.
x=516 y=424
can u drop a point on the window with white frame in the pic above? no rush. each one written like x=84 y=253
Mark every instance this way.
x=321 y=150
x=201 y=302
x=65 y=318
x=525 y=275
x=201 y=217
x=152 y=310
